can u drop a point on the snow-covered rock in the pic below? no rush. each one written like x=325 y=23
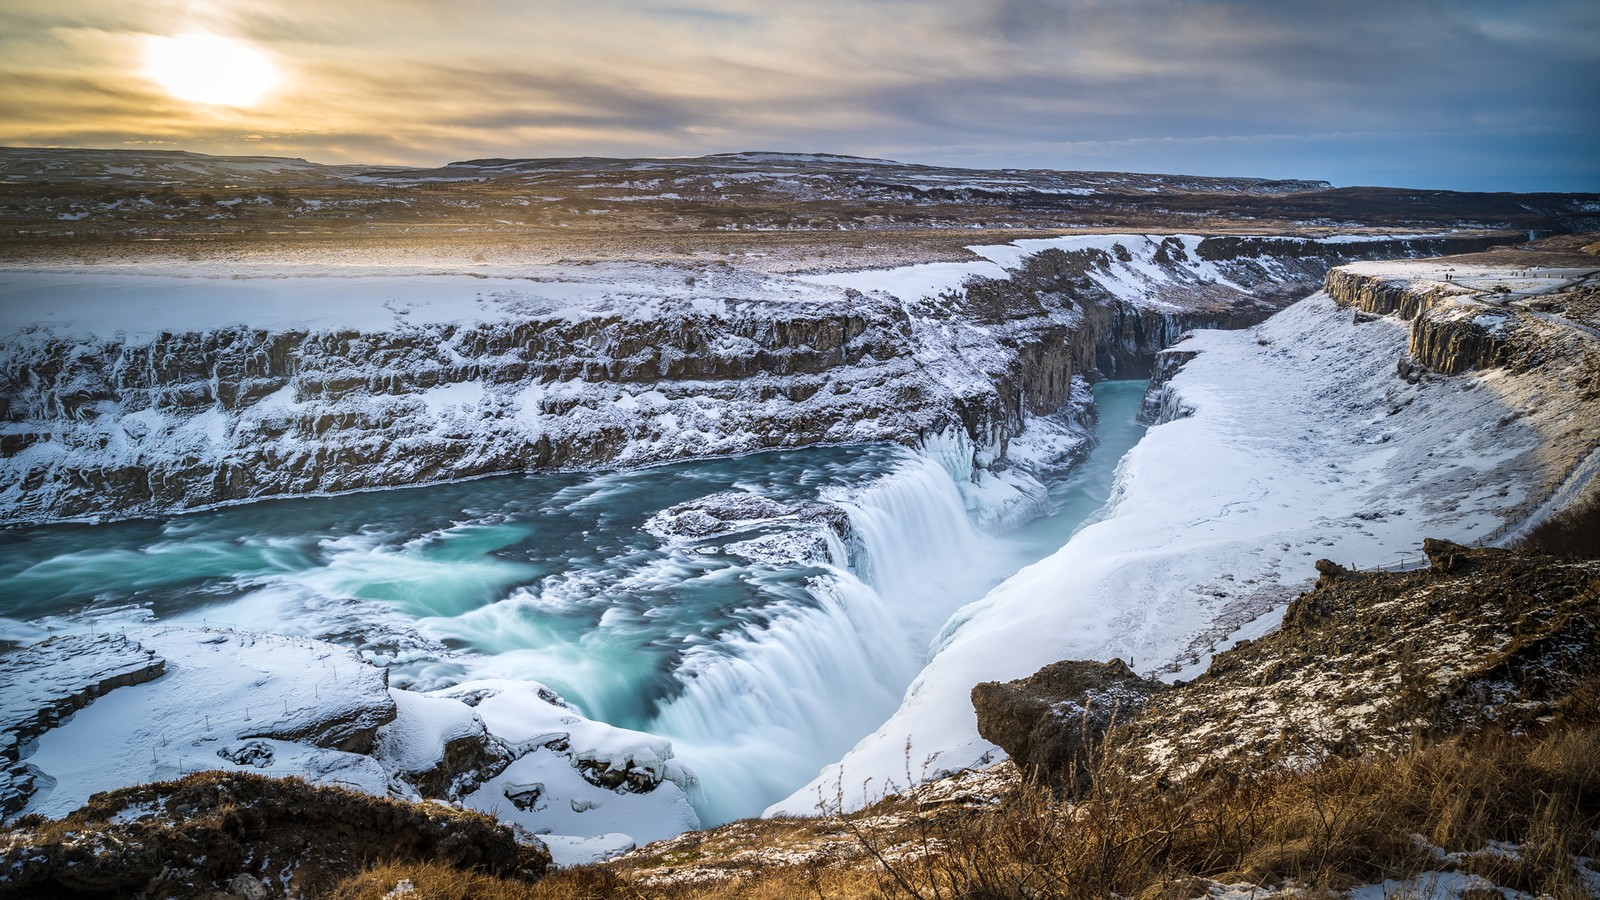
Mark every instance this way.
x=188 y=700
x=224 y=699
x=590 y=789
x=48 y=682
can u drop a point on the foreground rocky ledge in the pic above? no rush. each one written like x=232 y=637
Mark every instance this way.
x=246 y=836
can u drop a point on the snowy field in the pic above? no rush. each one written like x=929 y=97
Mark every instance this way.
x=210 y=295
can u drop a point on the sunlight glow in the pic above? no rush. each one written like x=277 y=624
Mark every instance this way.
x=209 y=69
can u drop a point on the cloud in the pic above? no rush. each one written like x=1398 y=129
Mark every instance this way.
x=1013 y=82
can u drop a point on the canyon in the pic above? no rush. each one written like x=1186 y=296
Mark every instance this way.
x=199 y=390
x=683 y=522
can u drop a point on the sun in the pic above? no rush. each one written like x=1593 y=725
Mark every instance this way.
x=210 y=69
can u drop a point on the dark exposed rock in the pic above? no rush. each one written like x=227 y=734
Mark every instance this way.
x=465 y=764
x=601 y=773
x=199 y=835
x=524 y=796
x=1053 y=722
x=250 y=753
x=1329 y=569
x=1157 y=399
x=352 y=728
x=1442 y=555
x=1227 y=247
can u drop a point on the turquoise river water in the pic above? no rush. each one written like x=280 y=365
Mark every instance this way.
x=760 y=666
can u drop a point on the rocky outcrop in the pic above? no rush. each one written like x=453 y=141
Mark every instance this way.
x=1160 y=404
x=217 y=833
x=1369 y=662
x=465 y=763
x=1451 y=332
x=1053 y=723
x=439 y=747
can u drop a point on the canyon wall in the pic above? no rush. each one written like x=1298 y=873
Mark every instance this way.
x=99 y=425
x=1449 y=335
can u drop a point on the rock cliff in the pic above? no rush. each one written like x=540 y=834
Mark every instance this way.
x=1523 y=321
x=590 y=368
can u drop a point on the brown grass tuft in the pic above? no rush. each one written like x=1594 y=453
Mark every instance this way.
x=1574 y=532
x=1327 y=828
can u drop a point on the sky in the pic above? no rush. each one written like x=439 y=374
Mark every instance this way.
x=1416 y=93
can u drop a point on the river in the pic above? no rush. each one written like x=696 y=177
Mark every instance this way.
x=763 y=654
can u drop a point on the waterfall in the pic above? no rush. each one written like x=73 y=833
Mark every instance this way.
x=763 y=708
x=764 y=646
x=918 y=540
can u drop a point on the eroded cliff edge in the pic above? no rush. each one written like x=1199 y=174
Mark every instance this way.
x=1525 y=321
x=452 y=377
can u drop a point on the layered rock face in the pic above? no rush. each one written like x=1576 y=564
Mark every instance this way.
x=1476 y=312
x=1524 y=321
x=592 y=369
x=1447 y=336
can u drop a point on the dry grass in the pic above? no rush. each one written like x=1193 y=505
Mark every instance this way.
x=1574 y=532
x=1342 y=823
x=437 y=882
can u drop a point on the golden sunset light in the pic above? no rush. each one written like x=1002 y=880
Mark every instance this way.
x=209 y=69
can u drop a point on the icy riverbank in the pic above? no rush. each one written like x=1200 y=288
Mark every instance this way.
x=230 y=700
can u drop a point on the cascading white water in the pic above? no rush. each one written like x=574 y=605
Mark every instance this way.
x=920 y=545
x=764 y=707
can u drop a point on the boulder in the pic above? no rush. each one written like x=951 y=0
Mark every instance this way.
x=1053 y=722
